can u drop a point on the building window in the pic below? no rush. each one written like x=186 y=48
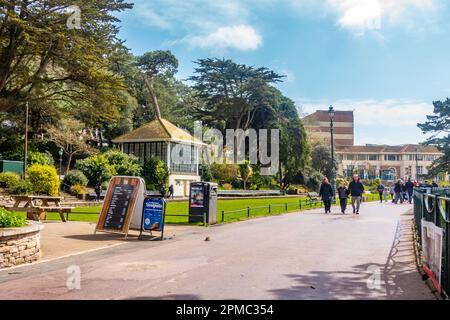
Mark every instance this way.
x=373 y=157
x=419 y=170
x=361 y=157
x=350 y=157
x=188 y=157
x=391 y=157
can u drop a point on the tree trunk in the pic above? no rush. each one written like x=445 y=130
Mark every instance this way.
x=69 y=161
x=151 y=90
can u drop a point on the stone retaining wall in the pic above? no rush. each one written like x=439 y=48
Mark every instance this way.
x=20 y=245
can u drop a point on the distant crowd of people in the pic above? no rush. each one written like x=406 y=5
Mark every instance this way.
x=400 y=192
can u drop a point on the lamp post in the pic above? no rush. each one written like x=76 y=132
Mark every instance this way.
x=331 y=114
x=417 y=164
x=60 y=162
x=25 y=147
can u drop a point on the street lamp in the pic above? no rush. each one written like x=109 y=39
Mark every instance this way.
x=331 y=114
x=60 y=162
x=417 y=164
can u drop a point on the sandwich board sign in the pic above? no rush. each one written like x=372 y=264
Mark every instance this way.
x=153 y=215
x=122 y=205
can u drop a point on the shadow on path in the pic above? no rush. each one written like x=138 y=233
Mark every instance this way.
x=396 y=279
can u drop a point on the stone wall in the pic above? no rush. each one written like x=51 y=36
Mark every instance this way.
x=20 y=245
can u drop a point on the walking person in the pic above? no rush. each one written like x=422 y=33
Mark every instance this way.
x=409 y=186
x=171 y=191
x=380 y=190
x=98 y=190
x=343 y=197
x=386 y=194
x=392 y=192
x=356 y=189
x=398 y=189
x=326 y=192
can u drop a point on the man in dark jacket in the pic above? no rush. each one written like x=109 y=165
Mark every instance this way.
x=356 y=189
x=343 y=197
x=326 y=192
x=380 y=190
x=398 y=189
x=409 y=186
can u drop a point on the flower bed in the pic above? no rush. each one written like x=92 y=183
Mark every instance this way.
x=18 y=244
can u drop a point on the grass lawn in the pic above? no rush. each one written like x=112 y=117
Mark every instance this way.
x=259 y=207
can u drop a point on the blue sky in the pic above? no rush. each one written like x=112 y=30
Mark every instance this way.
x=385 y=59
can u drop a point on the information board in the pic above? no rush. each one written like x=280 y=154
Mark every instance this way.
x=153 y=214
x=197 y=196
x=120 y=203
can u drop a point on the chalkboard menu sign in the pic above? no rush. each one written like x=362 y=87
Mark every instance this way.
x=120 y=203
x=118 y=207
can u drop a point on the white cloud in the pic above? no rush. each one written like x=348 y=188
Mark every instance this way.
x=363 y=15
x=240 y=37
x=387 y=121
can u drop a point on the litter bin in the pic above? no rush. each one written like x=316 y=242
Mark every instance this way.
x=203 y=201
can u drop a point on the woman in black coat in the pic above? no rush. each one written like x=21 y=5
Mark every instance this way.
x=326 y=192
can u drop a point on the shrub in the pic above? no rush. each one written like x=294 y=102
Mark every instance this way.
x=35 y=157
x=227 y=186
x=11 y=220
x=75 y=177
x=205 y=172
x=23 y=187
x=124 y=164
x=156 y=172
x=224 y=173
x=96 y=168
x=44 y=179
x=9 y=179
x=77 y=190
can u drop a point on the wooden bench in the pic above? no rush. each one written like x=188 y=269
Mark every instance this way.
x=60 y=210
x=313 y=197
x=37 y=207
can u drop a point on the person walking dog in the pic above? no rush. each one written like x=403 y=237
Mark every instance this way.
x=326 y=192
x=356 y=189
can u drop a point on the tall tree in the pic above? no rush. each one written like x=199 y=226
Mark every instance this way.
x=156 y=64
x=43 y=59
x=321 y=159
x=232 y=93
x=438 y=125
x=294 y=147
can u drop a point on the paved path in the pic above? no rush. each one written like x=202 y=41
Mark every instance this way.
x=294 y=256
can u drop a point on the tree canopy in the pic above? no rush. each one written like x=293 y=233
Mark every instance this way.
x=438 y=124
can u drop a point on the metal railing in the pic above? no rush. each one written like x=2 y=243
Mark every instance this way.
x=300 y=205
x=433 y=205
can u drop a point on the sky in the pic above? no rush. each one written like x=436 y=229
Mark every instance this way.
x=387 y=60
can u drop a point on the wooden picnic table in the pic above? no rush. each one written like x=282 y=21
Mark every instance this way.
x=37 y=207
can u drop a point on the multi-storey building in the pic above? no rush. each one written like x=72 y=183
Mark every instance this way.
x=318 y=127
x=369 y=161
x=386 y=162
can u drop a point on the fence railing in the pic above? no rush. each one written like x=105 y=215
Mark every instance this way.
x=286 y=207
x=432 y=205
